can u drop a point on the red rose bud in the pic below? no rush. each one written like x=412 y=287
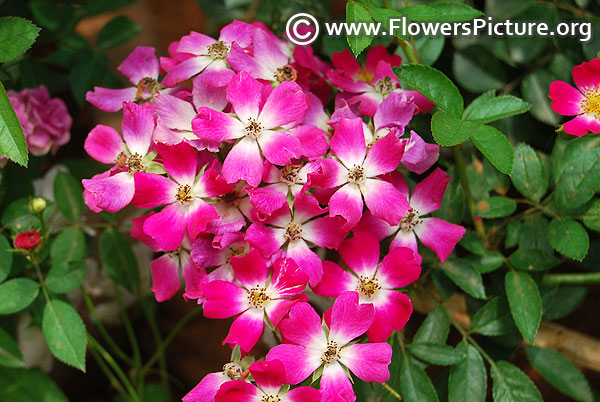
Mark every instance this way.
x=27 y=240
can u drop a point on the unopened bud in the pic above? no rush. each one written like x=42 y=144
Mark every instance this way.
x=27 y=240
x=37 y=205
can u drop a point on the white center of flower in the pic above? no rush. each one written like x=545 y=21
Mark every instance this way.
x=385 y=85
x=254 y=128
x=368 y=287
x=332 y=352
x=411 y=220
x=218 y=50
x=135 y=163
x=184 y=194
x=591 y=102
x=258 y=297
x=293 y=231
x=356 y=174
x=233 y=371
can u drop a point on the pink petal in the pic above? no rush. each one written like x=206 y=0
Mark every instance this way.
x=266 y=51
x=217 y=74
x=153 y=190
x=167 y=227
x=210 y=184
x=268 y=374
x=244 y=162
x=334 y=281
x=419 y=155
x=395 y=111
x=428 y=193
x=439 y=235
x=111 y=193
x=303 y=394
x=211 y=125
x=368 y=361
x=581 y=125
x=285 y=105
x=268 y=199
x=237 y=391
x=384 y=156
x=241 y=61
x=397 y=179
x=288 y=279
x=199 y=214
x=392 y=315
x=245 y=94
x=566 y=100
x=206 y=390
x=173 y=112
x=329 y=174
x=335 y=385
x=305 y=207
x=381 y=329
x=194 y=276
x=104 y=144
x=299 y=362
x=586 y=75
x=246 y=330
x=378 y=53
x=349 y=319
x=424 y=105
x=137 y=232
x=186 y=70
x=408 y=240
x=341 y=80
x=325 y=232
x=237 y=31
x=110 y=100
x=369 y=102
x=165 y=277
x=195 y=43
x=400 y=268
x=384 y=201
x=302 y=327
x=138 y=125
x=208 y=96
x=346 y=62
x=361 y=253
x=380 y=228
x=279 y=147
x=251 y=269
x=205 y=255
x=265 y=239
x=347 y=202
x=230 y=220
x=313 y=141
x=180 y=161
x=309 y=262
x=277 y=309
x=223 y=299
x=141 y=63
x=348 y=142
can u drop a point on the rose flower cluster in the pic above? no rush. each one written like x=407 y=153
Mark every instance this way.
x=260 y=198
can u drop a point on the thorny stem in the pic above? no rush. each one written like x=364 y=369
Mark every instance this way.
x=462 y=172
x=571 y=279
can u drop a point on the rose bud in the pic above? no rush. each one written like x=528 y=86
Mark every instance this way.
x=27 y=240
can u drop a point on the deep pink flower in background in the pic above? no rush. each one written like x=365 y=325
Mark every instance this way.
x=141 y=68
x=216 y=252
x=27 y=240
x=307 y=346
x=269 y=378
x=259 y=295
x=207 y=389
x=46 y=121
x=375 y=283
x=583 y=102
x=437 y=234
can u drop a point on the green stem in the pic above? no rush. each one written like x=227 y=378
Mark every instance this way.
x=571 y=279
x=161 y=348
x=137 y=359
x=470 y=339
x=161 y=360
x=392 y=391
x=102 y=329
x=114 y=381
x=462 y=172
x=93 y=343
x=409 y=51
x=568 y=7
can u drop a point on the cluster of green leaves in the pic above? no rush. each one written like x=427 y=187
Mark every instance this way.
x=38 y=282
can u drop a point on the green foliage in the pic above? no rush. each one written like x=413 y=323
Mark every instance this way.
x=65 y=333
x=493 y=318
x=66 y=276
x=118 y=31
x=16 y=294
x=10 y=355
x=356 y=12
x=435 y=353
x=6 y=258
x=495 y=207
x=68 y=195
x=468 y=379
x=530 y=175
x=415 y=383
x=69 y=245
x=512 y=385
x=12 y=139
x=465 y=276
x=18 y=385
x=16 y=37
x=525 y=302
x=118 y=260
x=569 y=238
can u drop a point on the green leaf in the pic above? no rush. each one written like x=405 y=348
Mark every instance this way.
x=356 y=13
x=495 y=207
x=489 y=109
x=468 y=380
x=88 y=69
x=435 y=327
x=578 y=181
x=529 y=259
x=465 y=276
x=93 y=7
x=560 y=373
x=10 y=355
x=569 y=238
x=69 y=196
x=118 y=31
x=415 y=384
x=18 y=385
x=66 y=276
x=591 y=219
x=451 y=11
x=12 y=138
x=493 y=318
x=512 y=385
x=118 y=259
x=492 y=143
x=16 y=294
x=534 y=90
x=449 y=130
x=435 y=353
x=566 y=151
x=434 y=85
x=566 y=300
x=420 y=12
x=525 y=302
x=477 y=70
x=6 y=258
x=490 y=261
x=65 y=333
x=16 y=37
x=69 y=245
x=529 y=175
